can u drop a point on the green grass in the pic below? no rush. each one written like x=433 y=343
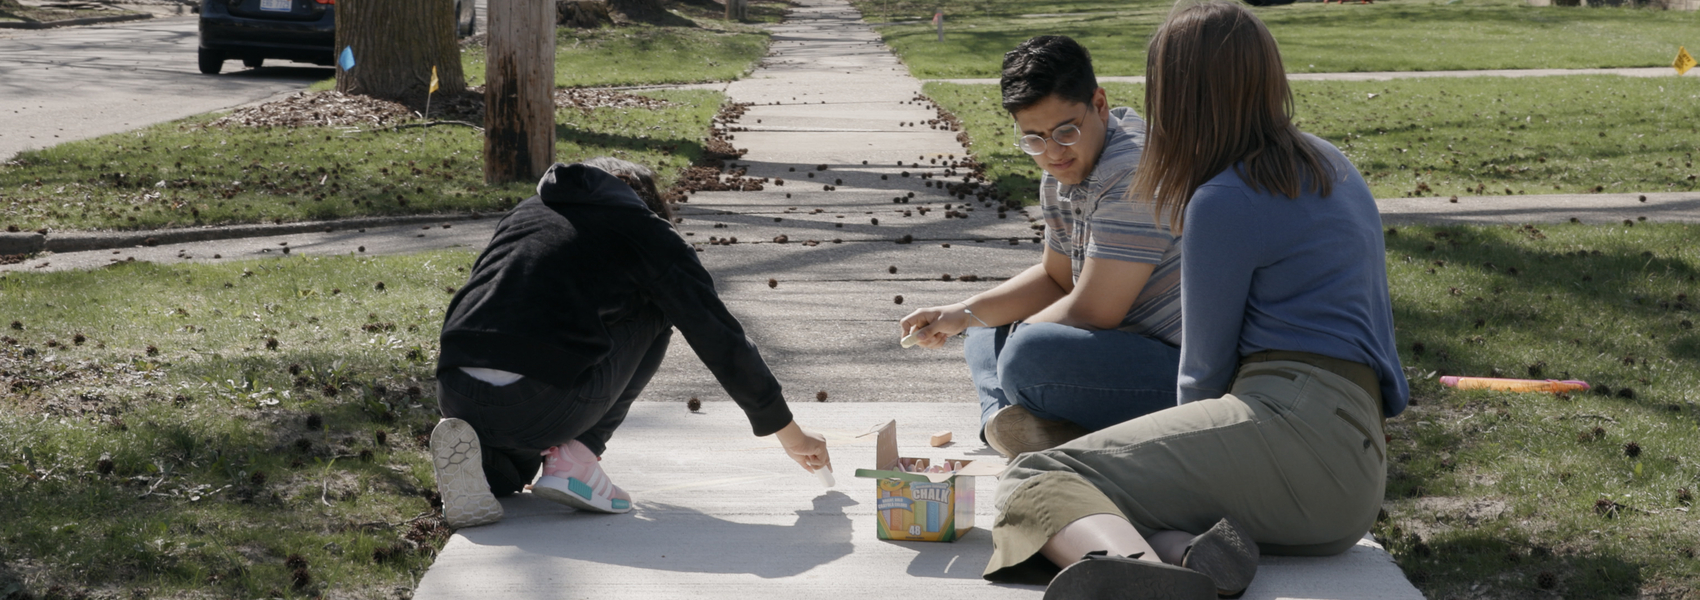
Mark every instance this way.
x=643 y=55
x=246 y=175
x=1454 y=136
x=1493 y=489
x=1390 y=35
x=171 y=373
x=698 y=45
x=214 y=404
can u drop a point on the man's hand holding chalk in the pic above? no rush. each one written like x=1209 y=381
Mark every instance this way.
x=931 y=327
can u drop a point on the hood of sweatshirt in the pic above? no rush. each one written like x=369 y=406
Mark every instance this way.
x=582 y=185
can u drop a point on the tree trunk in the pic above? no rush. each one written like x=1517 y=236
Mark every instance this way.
x=519 y=103
x=737 y=10
x=395 y=44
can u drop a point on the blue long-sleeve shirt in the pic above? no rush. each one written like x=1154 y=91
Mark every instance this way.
x=1267 y=272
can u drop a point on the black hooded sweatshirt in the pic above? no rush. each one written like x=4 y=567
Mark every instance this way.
x=583 y=254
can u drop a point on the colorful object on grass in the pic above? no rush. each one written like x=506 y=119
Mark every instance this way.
x=346 y=60
x=1683 y=62
x=1513 y=385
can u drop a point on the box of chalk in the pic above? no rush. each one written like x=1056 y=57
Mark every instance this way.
x=921 y=499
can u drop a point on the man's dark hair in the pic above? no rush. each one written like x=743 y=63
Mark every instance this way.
x=639 y=177
x=1045 y=65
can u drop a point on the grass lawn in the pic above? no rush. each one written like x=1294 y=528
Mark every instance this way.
x=643 y=55
x=156 y=440
x=183 y=174
x=698 y=45
x=1390 y=35
x=169 y=371
x=1499 y=495
x=1443 y=137
x=246 y=175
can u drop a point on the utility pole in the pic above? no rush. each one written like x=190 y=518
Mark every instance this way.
x=519 y=89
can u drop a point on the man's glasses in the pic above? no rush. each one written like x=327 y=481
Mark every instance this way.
x=1034 y=144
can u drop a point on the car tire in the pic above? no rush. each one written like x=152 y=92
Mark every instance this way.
x=466 y=18
x=211 y=61
x=253 y=63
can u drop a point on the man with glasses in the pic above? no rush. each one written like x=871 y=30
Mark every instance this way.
x=1090 y=336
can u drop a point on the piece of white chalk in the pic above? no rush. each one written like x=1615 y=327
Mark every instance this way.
x=910 y=340
x=825 y=475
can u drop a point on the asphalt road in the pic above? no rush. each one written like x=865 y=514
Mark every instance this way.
x=59 y=85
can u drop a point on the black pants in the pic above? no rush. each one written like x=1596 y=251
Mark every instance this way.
x=517 y=422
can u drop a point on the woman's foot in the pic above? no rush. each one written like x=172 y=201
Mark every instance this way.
x=1098 y=576
x=459 y=464
x=573 y=476
x=1227 y=554
x=1014 y=430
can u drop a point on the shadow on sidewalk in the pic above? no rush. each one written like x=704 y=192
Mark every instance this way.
x=674 y=538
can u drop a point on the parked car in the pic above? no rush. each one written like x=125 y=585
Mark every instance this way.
x=300 y=30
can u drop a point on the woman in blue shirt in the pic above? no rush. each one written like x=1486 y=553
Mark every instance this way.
x=1287 y=363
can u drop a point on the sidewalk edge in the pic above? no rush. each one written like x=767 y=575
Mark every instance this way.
x=74 y=22
x=82 y=241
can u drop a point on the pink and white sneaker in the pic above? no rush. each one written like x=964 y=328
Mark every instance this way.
x=572 y=476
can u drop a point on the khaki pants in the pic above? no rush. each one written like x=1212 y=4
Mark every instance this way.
x=1295 y=453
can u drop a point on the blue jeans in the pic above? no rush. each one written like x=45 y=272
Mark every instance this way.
x=1093 y=379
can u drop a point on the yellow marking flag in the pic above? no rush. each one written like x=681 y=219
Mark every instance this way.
x=434 y=78
x=1684 y=62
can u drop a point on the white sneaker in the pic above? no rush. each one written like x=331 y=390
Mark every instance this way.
x=459 y=463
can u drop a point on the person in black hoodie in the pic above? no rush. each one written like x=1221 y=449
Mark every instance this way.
x=564 y=319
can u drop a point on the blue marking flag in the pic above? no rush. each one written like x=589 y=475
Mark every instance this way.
x=346 y=61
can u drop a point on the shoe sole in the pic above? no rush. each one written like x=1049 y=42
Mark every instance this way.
x=459 y=465
x=1128 y=579
x=1014 y=431
x=577 y=494
x=1228 y=555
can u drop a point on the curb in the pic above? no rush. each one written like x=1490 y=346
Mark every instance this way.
x=73 y=22
x=21 y=243
x=29 y=243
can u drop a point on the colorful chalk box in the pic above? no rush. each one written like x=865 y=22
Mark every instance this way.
x=919 y=499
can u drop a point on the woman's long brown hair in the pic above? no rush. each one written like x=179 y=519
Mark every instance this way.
x=1216 y=96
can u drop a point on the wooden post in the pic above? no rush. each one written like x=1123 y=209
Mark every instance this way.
x=519 y=88
x=737 y=10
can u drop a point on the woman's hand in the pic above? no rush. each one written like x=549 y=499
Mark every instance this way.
x=805 y=447
x=935 y=325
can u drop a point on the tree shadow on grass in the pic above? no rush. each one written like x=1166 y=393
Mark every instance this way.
x=1499 y=287
x=1455 y=563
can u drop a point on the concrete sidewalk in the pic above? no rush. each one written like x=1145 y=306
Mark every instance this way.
x=721 y=514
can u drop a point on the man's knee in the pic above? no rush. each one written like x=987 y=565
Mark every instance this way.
x=1030 y=354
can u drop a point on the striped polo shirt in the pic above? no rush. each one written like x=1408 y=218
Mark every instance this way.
x=1095 y=219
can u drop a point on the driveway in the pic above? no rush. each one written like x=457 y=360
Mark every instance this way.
x=60 y=85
